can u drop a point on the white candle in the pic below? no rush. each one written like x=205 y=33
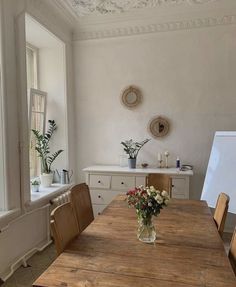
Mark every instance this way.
x=159 y=156
x=167 y=153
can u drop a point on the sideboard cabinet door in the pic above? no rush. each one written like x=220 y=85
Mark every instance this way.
x=180 y=187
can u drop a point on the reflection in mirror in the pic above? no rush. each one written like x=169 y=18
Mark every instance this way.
x=158 y=127
x=131 y=97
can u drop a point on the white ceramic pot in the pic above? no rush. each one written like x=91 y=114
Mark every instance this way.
x=46 y=179
x=35 y=188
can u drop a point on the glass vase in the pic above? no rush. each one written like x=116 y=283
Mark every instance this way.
x=146 y=230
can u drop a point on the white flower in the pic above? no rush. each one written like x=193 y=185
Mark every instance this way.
x=166 y=201
x=165 y=194
x=148 y=191
x=152 y=188
x=150 y=204
x=159 y=199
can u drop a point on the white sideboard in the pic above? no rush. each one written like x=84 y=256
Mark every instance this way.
x=105 y=182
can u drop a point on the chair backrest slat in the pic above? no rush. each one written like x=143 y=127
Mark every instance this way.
x=232 y=251
x=160 y=182
x=81 y=202
x=221 y=210
x=64 y=226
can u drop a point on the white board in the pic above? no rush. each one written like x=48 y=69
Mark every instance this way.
x=221 y=170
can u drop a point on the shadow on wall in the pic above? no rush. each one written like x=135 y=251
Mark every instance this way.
x=196 y=184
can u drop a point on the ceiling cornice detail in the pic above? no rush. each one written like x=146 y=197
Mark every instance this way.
x=82 y=8
x=136 y=29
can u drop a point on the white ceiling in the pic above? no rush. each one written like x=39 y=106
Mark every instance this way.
x=100 y=7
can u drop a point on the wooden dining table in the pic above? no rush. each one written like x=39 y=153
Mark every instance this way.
x=188 y=251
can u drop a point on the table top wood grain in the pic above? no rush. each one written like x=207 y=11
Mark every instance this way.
x=188 y=251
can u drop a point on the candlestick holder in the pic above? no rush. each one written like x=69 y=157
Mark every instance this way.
x=160 y=162
x=166 y=159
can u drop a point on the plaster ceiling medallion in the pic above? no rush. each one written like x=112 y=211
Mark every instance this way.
x=96 y=7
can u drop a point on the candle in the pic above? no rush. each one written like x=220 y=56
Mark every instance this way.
x=159 y=156
x=167 y=153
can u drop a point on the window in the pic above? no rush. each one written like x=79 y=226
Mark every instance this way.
x=46 y=71
x=2 y=181
x=37 y=106
x=37 y=117
x=32 y=66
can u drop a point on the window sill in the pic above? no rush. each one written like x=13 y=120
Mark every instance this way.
x=45 y=194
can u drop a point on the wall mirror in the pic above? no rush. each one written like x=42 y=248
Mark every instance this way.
x=158 y=127
x=131 y=97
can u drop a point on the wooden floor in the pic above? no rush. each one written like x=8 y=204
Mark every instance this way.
x=24 y=277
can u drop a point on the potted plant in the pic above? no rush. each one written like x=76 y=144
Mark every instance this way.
x=35 y=185
x=42 y=147
x=132 y=149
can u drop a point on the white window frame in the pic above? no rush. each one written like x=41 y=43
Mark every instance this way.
x=36 y=64
x=3 y=198
x=34 y=92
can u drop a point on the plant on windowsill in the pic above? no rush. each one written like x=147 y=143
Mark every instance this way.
x=35 y=185
x=132 y=148
x=43 y=150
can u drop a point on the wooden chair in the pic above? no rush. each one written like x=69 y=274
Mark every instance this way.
x=221 y=212
x=232 y=251
x=81 y=202
x=64 y=226
x=160 y=182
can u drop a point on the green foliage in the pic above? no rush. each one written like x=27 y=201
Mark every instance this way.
x=132 y=148
x=43 y=149
x=35 y=182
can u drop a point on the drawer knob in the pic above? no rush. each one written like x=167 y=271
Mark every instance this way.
x=99 y=196
x=99 y=181
x=99 y=213
x=172 y=185
x=122 y=182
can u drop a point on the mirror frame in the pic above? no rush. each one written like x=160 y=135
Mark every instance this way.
x=126 y=92
x=156 y=121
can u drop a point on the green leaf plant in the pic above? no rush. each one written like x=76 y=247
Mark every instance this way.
x=43 y=149
x=132 y=148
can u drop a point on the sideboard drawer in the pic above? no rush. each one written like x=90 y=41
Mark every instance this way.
x=98 y=209
x=122 y=182
x=99 y=181
x=103 y=196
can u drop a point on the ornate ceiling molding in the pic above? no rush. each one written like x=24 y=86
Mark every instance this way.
x=104 y=32
x=105 y=7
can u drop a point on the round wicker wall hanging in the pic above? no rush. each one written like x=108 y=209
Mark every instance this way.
x=131 y=97
x=158 y=127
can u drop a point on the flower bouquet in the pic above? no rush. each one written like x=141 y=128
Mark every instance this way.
x=147 y=202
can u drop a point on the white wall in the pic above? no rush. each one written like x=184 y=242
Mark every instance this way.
x=187 y=76
x=32 y=233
